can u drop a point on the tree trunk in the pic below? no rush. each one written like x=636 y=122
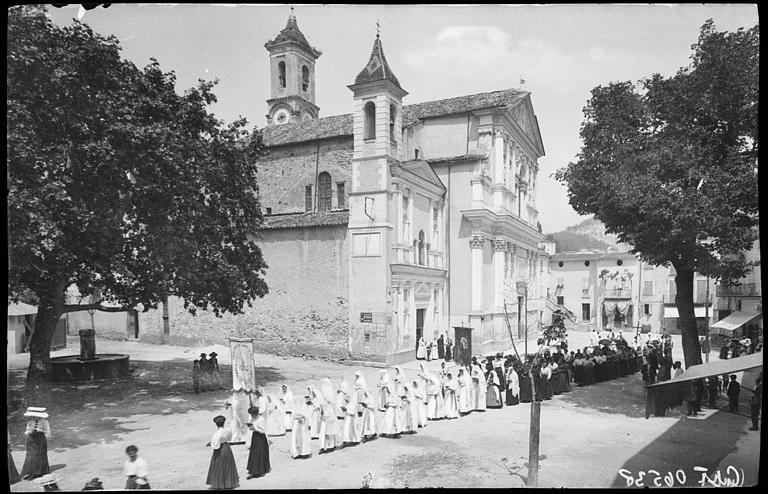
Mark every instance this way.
x=687 y=316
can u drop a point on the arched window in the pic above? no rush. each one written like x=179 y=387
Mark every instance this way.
x=281 y=73
x=392 y=117
x=324 y=192
x=304 y=78
x=422 y=249
x=369 y=115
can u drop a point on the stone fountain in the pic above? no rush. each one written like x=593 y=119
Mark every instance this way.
x=89 y=366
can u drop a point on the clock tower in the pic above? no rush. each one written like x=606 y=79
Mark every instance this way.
x=292 y=76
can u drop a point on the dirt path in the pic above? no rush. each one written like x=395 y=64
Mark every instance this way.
x=587 y=436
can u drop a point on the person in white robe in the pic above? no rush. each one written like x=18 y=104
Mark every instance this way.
x=419 y=405
x=300 y=435
x=287 y=404
x=399 y=380
x=239 y=418
x=350 y=435
x=314 y=416
x=274 y=417
x=384 y=389
x=513 y=386
x=407 y=425
x=480 y=388
x=432 y=390
x=329 y=427
x=450 y=387
x=369 y=430
x=465 y=383
x=421 y=351
x=390 y=425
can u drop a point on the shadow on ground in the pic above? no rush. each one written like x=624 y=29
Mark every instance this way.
x=687 y=444
x=624 y=396
x=153 y=388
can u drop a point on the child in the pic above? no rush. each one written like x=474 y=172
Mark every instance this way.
x=135 y=470
x=196 y=376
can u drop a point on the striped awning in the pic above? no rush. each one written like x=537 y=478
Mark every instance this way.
x=735 y=320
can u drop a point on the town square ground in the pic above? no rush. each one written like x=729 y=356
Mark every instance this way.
x=594 y=436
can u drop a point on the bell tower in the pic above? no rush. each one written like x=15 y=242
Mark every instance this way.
x=292 y=76
x=377 y=104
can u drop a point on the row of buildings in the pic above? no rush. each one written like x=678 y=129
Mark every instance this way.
x=401 y=221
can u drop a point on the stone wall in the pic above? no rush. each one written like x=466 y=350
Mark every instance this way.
x=286 y=170
x=304 y=313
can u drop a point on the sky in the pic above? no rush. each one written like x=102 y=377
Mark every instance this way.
x=561 y=52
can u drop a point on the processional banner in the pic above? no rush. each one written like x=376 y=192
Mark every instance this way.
x=243 y=372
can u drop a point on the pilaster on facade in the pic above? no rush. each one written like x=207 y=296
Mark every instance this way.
x=500 y=248
x=477 y=243
x=481 y=191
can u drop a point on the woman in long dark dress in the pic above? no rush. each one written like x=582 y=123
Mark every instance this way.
x=222 y=472
x=258 y=458
x=38 y=429
x=13 y=474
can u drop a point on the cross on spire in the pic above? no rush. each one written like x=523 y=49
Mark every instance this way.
x=292 y=11
x=378 y=28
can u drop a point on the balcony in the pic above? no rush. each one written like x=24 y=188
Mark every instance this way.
x=621 y=293
x=743 y=290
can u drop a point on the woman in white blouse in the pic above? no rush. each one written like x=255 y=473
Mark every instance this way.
x=222 y=472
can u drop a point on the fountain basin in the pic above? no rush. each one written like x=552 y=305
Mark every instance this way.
x=71 y=368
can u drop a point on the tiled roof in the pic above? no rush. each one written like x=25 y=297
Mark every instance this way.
x=341 y=125
x=463 y=157
x=377 y=68
x=318 y=128
x=291 y=33
x=461 y=104
x=303 y=220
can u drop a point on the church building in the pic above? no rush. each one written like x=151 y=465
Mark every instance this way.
x=395 y=221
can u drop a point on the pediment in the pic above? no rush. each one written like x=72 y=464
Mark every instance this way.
x=524 y=116
x=421 y=169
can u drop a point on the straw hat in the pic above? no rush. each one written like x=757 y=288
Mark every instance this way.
x=37 y=412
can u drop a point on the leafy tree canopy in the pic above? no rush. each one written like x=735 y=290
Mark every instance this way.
x=670 y=165
x=118 y=184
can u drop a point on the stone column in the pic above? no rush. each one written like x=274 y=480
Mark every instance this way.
x=500 y=249
x=477 y=243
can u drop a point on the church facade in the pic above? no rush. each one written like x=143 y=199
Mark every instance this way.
x=393 y=222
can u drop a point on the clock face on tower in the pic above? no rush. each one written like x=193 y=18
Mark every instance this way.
x=281 y=116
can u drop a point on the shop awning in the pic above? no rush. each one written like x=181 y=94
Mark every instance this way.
x=671 y=312
x=660 y=396
x=735 y=320
x=21 y=309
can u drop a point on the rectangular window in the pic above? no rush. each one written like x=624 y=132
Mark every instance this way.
x=647 y=309
x=672 y=286
x=585 y=312
x=308 y=198
x=560 y=300
x=366 y=244
x=340 y=199
x=701 y=292
x=738 y=304
x=269 y=211
x=436 y=229
x=648 y=288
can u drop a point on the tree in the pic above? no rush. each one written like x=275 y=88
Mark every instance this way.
x=119 y=185
x=672 y=168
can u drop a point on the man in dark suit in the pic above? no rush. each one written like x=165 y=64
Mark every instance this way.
x=733 y=394
x=757 y=401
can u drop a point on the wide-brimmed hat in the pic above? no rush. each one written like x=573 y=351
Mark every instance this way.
x=202 y=354
x=38 y=412
x=213 y=354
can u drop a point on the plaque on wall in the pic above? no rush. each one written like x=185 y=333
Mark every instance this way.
x=366 y=317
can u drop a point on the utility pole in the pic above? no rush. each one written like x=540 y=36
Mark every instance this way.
x=166 y=326
x=706 y=323
x=535 y=427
